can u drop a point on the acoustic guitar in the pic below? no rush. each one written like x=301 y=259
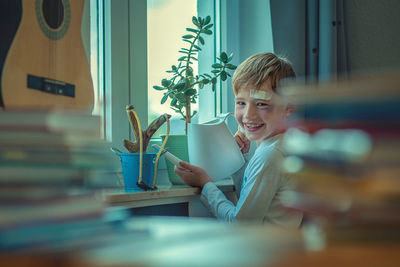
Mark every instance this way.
x=46 y=65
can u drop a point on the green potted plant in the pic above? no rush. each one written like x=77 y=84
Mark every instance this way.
x=183 y=84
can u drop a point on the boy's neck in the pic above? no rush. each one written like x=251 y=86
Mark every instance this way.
x=258 y=142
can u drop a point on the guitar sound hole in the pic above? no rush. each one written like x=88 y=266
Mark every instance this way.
x=53 y=12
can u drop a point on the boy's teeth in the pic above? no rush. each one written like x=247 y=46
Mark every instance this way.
x=252 y=125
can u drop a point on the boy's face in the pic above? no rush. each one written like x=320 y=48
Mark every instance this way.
x=262 y=113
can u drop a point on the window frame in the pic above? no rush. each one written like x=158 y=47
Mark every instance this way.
x=125 y=65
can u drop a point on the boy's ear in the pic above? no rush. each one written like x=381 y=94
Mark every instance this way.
x=289 y=109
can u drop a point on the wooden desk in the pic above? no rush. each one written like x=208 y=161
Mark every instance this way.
x=162 y=200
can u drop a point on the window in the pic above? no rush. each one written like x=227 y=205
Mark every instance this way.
x=166 y=23
x=128 y=58
x=96 y=58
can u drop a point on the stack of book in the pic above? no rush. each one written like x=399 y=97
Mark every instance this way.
x=343 y=151
x=51 y=165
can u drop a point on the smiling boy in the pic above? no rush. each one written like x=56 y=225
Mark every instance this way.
x=261 y=114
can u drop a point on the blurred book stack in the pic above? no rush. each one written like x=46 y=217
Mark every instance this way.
x=343 y=150
x=51 y=165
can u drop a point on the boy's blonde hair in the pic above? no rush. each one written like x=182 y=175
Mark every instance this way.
x=258 y=68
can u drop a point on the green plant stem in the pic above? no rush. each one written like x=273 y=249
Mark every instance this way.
x=188 y=113
x=191 y=47
x=188 y=103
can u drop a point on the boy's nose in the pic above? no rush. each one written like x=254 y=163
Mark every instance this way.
x=250 y=112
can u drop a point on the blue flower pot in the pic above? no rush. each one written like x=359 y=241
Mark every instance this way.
x=130 y=168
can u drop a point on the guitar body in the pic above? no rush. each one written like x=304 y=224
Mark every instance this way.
x=10 y=18
x=46 y=65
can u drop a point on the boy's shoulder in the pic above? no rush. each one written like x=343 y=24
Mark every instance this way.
x=268 y=151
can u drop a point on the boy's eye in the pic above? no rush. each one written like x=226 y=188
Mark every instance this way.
x=261 y=104
x=240 y=103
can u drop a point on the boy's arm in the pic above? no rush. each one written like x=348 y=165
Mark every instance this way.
x=237 y=178
x=217 y=203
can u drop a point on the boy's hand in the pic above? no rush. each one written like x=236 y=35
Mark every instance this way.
x=242 y=141
x=192 y=175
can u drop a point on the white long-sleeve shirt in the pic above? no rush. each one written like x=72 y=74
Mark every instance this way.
x=262 y=189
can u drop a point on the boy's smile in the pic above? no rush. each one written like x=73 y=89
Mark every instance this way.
x=260 y=117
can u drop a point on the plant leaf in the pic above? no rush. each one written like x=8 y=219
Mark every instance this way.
x=201 y=40
x=190 y=92
x=173 y=102
x=223 y=76
x=195 y=21
x=187 y=36
x=201 y=21
x=230 y=57
x=217 y=66
x=165 y=82
x=208 y=26
x=224 y=57
x=192 y=30
x=180 y=85
x=230 y=66
x=182 y=58
x=159 y=88
x=164 y=99
x=207 y=20
x=208 y=32
x=197 y=47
